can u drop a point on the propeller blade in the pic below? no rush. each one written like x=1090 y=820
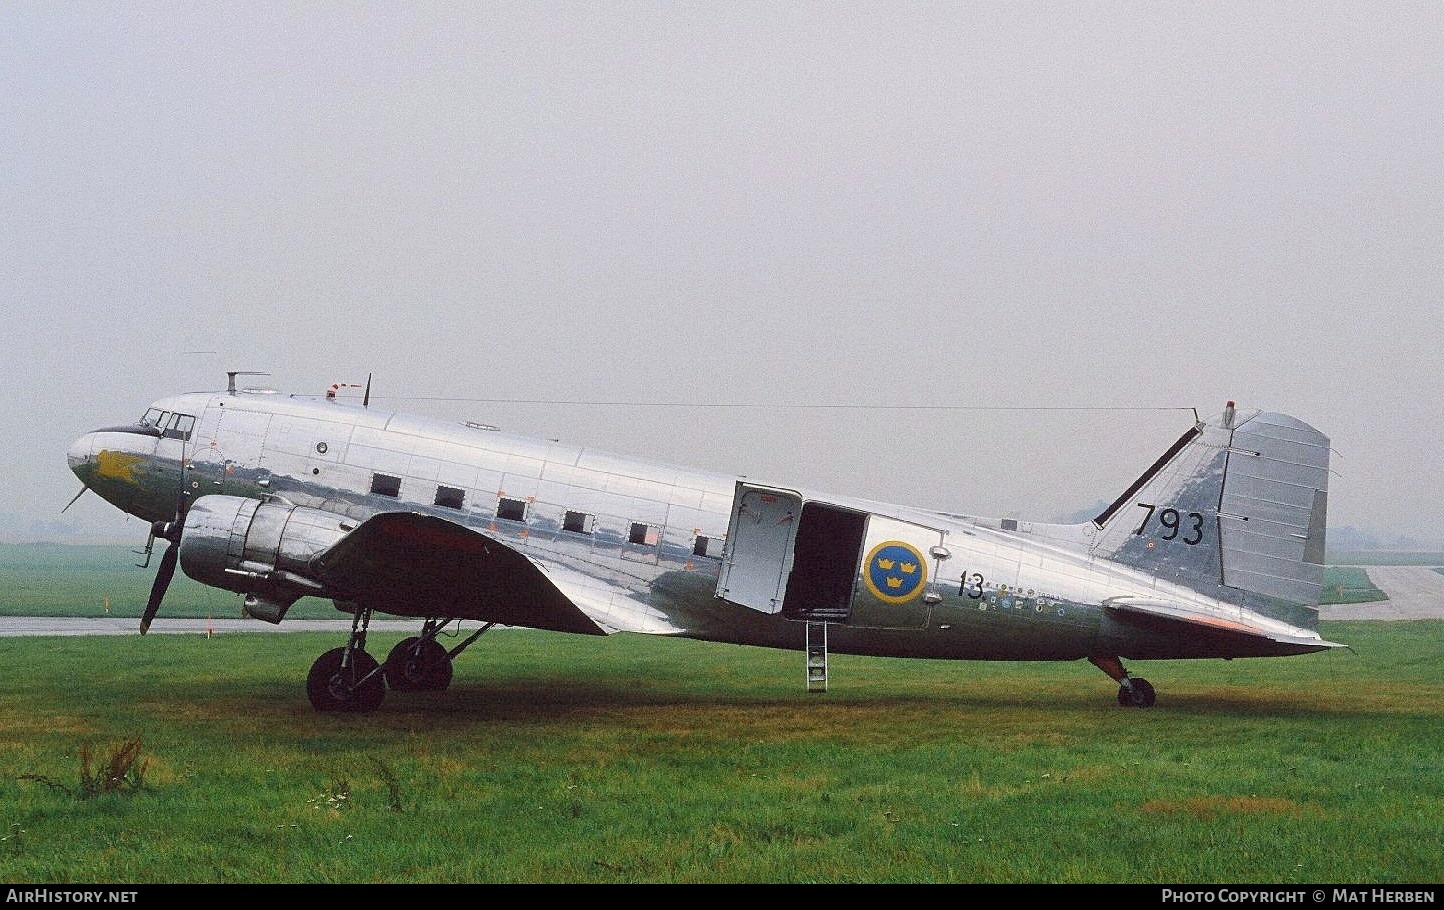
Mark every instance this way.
x=157 y=589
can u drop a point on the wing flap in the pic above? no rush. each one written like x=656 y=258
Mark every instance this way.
x=410 y=564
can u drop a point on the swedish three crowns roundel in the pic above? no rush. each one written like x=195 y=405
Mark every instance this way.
x=895 y=571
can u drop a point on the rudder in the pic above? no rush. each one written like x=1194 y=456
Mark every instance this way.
x=1235 y=509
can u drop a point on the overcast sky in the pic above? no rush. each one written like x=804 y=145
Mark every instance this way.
x=1028 y=237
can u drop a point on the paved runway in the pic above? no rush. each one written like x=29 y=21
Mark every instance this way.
x=1415 y=592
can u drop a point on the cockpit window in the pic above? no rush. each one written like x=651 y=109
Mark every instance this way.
x=179 y=426
x=170 y=424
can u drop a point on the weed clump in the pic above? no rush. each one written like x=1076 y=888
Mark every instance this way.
x=123 y=772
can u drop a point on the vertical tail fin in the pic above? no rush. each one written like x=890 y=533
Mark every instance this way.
x=1234 y=509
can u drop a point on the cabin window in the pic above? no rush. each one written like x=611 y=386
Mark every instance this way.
x=707 y=546
x=642 y=533
x=385 y=485
x=579 y=522
x=450 y=497
x=511 y=509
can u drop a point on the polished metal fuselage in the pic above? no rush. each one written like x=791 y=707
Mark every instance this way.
x=646 y=547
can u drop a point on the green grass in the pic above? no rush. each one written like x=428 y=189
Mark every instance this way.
x=70 y=580
x=1348 y=585
x=557 y=758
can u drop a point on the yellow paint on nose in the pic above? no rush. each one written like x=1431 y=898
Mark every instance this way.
x=116 y=465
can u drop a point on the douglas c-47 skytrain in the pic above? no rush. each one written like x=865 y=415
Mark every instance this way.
x=1215 y=551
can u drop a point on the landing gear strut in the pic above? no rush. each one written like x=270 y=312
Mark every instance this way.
x=419 y=663
x=347 y=678
x=1133 y=691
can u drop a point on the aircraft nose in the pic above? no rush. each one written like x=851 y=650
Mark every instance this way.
x=80 y=456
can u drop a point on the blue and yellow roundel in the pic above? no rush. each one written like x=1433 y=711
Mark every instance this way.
x=895 y=571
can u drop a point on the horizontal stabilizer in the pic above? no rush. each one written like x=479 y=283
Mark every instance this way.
x=1175 y=619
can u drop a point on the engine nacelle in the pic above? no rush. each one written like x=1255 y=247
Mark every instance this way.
x=260 y=549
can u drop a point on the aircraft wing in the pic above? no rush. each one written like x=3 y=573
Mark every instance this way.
x=1173 y=618
x=420 y=565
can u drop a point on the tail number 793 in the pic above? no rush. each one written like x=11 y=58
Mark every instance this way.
x=1174 y=522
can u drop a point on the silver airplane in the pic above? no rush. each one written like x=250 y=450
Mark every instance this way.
x=1216 y=551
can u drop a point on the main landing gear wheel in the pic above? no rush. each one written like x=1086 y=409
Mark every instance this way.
x=417 y=665
x=1139 y=696
x=356 y=688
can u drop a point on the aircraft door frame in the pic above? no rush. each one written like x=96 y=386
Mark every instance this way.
x=204 y=473
x=225 y=452
x=825 y=555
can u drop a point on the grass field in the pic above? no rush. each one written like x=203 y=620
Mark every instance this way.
x=557 y=758
x=1348 y=585
x=69 y=580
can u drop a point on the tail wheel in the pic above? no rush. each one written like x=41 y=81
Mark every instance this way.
x=355 y=688
x=1136 y=693
x=418 y=664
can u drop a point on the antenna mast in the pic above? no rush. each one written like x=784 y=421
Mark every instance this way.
x=231 y=378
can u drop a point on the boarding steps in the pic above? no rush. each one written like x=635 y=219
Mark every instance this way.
x=817 y=657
